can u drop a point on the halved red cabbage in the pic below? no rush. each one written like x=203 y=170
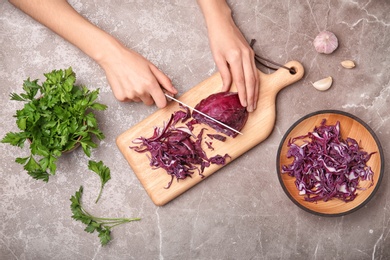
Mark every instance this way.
x=176 y=149
x=224 y=107
x=326 y=166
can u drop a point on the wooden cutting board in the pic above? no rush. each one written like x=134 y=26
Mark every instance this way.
x=258 y=127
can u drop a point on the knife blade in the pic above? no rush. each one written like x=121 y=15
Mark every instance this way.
x=203 y=114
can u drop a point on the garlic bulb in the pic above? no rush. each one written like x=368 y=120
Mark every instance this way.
x=323 y=84
x=326 y=42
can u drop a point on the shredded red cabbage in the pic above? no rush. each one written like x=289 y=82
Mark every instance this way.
x=218 y=159
x=210 y=145
x=217 y=137
x=326 y=166
x=176 y=149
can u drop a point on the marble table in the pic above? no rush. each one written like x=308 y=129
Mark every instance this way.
x=240 y=212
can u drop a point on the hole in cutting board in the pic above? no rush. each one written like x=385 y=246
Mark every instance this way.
x=293 y=71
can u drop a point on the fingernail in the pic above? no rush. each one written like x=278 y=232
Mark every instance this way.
x=249 y=108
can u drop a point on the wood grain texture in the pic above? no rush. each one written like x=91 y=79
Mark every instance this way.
x=259 y=126
x=349 y=127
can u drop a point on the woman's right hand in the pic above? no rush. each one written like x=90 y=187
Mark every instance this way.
x=133 y=78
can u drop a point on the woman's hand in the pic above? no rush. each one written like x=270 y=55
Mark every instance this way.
x=134 y=78
x=232 y=53
x=235 y=61
x=130 y=75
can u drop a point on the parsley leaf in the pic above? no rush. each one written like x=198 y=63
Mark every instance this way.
x=15 y=139
x=104 y=236
x=103 y=172
x=102 y=226
x=33 y=168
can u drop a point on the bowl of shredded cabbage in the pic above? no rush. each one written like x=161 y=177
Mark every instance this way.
x=330 y=163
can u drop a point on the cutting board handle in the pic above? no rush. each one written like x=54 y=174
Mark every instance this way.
x=281 y=78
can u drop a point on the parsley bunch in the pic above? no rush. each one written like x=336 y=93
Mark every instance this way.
x=102 y=225
x=56 y=121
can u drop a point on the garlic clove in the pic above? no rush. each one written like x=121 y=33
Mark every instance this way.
x=323 y=84
x=325 y=42
x=348 y=64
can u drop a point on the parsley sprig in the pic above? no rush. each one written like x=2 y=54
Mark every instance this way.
x=56 y=117
x=101 y=225
x=102 y=171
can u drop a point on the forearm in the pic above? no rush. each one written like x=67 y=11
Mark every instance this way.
x=62 y=19
x=131 y=76
x=215 y=11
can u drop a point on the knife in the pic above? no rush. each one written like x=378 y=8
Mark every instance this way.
x=203 y=114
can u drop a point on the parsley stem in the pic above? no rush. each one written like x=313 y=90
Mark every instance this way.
x=114 y=220
x=119 y=223
x=100 y=193
x=109 y=220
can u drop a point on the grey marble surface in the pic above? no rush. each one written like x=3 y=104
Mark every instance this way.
x=240 y=212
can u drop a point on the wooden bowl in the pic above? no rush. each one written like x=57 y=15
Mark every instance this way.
x=350 y=126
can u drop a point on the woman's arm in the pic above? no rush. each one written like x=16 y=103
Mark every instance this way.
x=232 y=53
x=131 y=76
